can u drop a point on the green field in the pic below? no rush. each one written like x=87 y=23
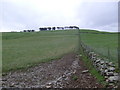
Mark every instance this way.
x=105 y=44
x=22 y=50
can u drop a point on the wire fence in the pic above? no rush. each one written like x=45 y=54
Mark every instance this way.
x=105 y=52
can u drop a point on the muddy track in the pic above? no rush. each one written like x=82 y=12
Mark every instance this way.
x=66 y=72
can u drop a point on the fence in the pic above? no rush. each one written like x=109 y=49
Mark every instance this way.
x=106 y=53
x=105 y=44
x=102 y=62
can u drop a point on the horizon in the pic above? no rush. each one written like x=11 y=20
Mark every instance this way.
x=63 y=30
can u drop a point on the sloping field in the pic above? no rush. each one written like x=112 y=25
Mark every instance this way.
x=22 y=50
x=104 y=43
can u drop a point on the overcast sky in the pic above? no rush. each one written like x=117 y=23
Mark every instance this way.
x=17 y=15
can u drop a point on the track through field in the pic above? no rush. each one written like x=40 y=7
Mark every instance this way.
x=67 y=72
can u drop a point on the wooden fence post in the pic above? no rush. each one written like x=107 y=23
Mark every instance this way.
x=109 y=58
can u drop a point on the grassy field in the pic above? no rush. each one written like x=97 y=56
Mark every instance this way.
x=22 y=50
x=102 y=43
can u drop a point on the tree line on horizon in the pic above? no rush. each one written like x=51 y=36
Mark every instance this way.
x=53 y=28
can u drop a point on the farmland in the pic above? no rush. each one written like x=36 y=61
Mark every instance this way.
x=102 y=43
x=22 y=50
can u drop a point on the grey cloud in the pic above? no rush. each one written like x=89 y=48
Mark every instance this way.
x=101 y=15
x=98 y=13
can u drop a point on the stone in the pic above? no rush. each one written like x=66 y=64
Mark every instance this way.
x=102 y=62
x=106 y=62
x=88 y=77
x=111 y=85
x=67 y=83
x=48 y=86
x=111 y=64
x=103 y=66
x=49 y=83
x=94 y=54
x=63 y=76
x=12 y=85
x=102 y=71
x=115 y=74
x=95 y=87
x=97 y=61
x=66 y=78
x=85 y=71
x=93 y=59
x=113 y=78
x=110 y=74
x=74 y=71
x=111 y=69
x=115 y=86
x=106 y=70
x=106 y=77
x=106 y=80
x=97 y=65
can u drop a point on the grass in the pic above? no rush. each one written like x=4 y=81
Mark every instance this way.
x=74 y=77
x=102 y=44
x=91 y=68
x=23 y=50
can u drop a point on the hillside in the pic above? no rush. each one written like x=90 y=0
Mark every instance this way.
x=32 y=48
x=51 y=59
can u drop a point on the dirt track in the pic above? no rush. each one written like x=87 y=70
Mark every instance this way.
x=66 y=72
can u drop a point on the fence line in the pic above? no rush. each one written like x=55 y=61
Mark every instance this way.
x=106 y=53
x=106 y=68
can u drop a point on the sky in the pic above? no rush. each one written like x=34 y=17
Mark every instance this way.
x=19 y=15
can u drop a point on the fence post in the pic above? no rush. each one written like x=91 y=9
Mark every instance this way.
x=79 y=41
x=109 y=54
